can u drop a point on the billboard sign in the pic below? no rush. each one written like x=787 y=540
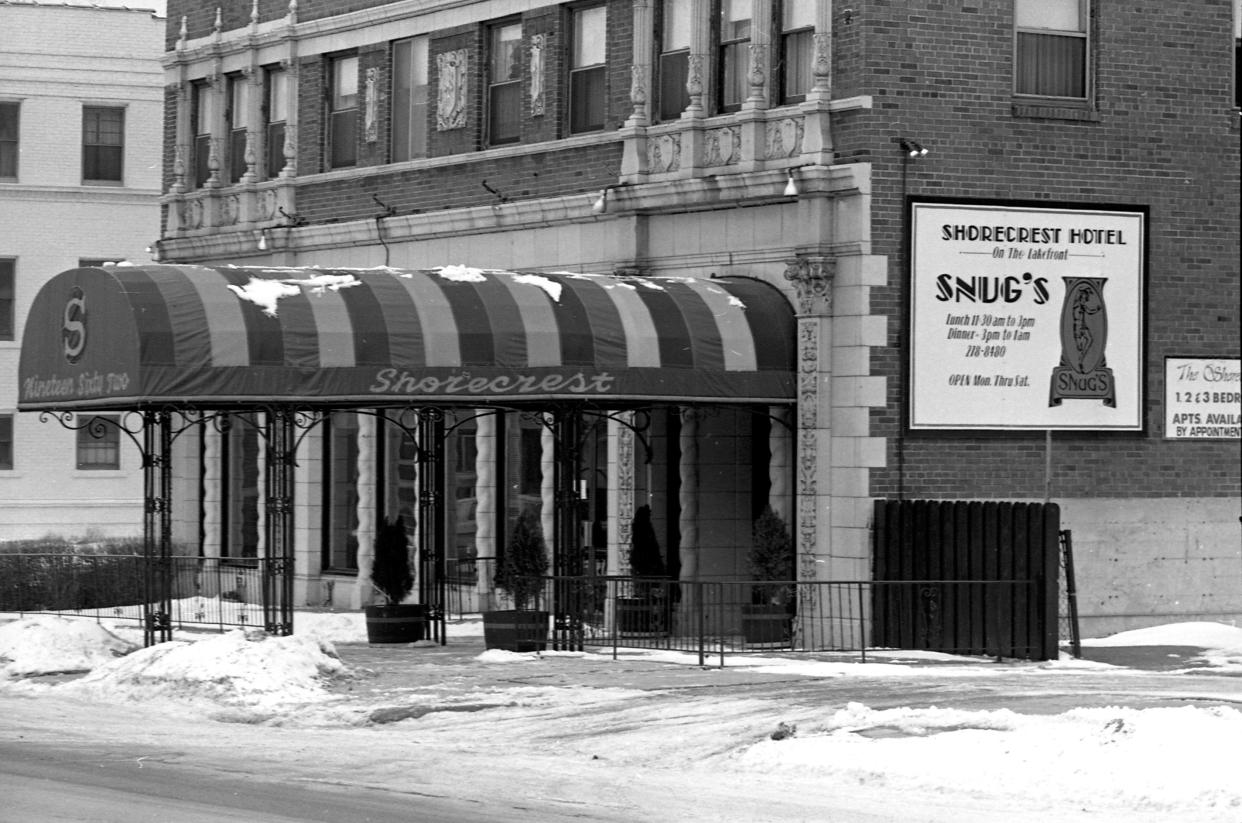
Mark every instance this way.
x=1026 y=317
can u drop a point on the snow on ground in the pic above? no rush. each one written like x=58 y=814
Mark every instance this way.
x=1178 y=759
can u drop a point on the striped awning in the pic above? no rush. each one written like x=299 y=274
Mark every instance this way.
x=138 y=336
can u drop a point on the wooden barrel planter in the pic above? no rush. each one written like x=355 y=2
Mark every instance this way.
x=403 y=623
x=766 y=625
x=515 y=631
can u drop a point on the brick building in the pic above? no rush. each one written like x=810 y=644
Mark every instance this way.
x=80 y=109
x=1008 y=231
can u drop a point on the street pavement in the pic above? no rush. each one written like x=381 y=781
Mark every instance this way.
x=1136 y=676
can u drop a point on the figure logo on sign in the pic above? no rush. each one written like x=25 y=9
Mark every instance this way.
x=73 y=331
x=1083 y=373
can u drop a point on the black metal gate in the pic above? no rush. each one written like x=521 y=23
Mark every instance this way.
x=1002 y=559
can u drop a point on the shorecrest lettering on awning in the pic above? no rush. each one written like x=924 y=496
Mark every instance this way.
x=142 y=336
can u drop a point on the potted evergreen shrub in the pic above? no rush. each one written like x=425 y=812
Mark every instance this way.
x=394 y=621
x=646 y=609
x=520 y=573
x=768 y=619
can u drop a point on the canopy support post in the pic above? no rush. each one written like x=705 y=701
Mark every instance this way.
x=157 y=527
x=278 y=565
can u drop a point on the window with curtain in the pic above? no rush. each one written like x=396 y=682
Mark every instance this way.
x=504 y=84
x=275 y=108
x=99 y=443
x=200 y=94
x=8 y=268
x=238 y=99
x=6 y=442
x=103 y=144
x=343 y=113
x=340 y=492
x=797 y=49
x=674 y=63
x=1050 y=48
x=409 y=98
x=9 y=134
x=586 y=73
x=734 y=54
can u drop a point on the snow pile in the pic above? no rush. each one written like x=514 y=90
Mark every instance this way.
x=235 y=669
x=1158 y=758
x=48 y=644
x=1221 y=644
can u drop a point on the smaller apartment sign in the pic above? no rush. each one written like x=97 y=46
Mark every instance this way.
x=1026 y=317
x=1202 y=398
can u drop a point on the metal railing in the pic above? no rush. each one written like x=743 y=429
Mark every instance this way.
x=203 y=592
x=715 y=618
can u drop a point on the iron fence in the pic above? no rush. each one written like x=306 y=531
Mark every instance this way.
x=715 y=618
x=204 y=592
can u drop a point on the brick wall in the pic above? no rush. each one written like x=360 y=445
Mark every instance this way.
x=459 y=186
x=1163 y=136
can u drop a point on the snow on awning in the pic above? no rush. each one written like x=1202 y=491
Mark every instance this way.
x=134 y=336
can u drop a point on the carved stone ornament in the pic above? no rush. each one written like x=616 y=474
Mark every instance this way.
x=371 y=111
x=451 y=92
x=538 y=43
x=723 y=146
x=783 y=138
x=812 y=278
x=638 y=86
x=664 y=153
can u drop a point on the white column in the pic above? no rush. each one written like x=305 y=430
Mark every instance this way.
x=547 y=468
x=365 y=485
x=485 y=499
x=698 y=80
x=640 y=72
x=213 y=491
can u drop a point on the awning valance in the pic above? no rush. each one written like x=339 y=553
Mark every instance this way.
x=123 y=337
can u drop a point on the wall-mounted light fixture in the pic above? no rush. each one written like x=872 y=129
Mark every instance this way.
x=913 y=149
x=601 y=203
x=791 y=185
x=261 y=244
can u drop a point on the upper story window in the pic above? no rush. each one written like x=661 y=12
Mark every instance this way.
x=9 y=132
x=6 y=442
x=200 y=94
x=734 y=54
x=8 y=280
x=103 y=144
x=275 y=110
x=343 y=113
x=504 y=84
x=586 y=69
x=237 y=117
x=409 y=98
x=1237 y=55
x=1050 y=48
x=797 y=49
x=674 y=68
x=99 y=443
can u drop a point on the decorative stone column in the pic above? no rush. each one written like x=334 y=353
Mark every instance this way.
x=812 y=278
x=817 y=137
x=634 y=132
x=622 y=490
